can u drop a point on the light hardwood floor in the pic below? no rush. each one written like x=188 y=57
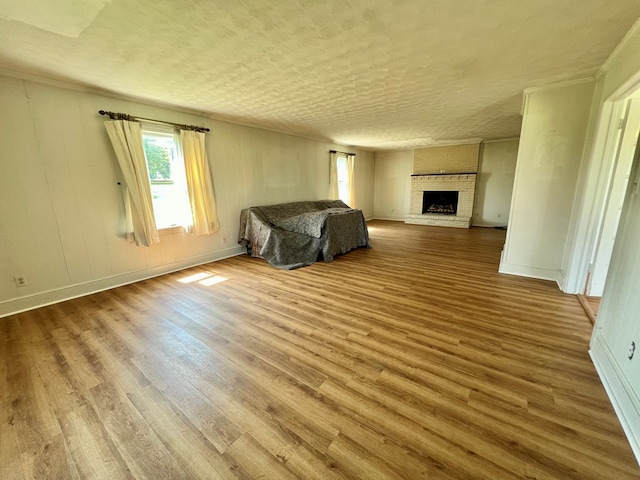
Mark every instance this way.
x=591 y=305
x=413 y=359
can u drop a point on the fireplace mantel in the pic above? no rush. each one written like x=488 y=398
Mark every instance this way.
x=464 y=183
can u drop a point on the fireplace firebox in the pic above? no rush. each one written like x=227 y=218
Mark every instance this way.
x=440 y=202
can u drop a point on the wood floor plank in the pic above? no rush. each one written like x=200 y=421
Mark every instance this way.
x=93 y=452
x=308 y=465
x=357 y=462
x=184 y=440
x=144 y=454
x=413 y=359
x=10 y=456
x=256 y=462
x=405 y=431
x=211 y=421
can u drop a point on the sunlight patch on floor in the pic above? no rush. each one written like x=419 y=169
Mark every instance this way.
x=205 y=278
x=212 y=280
x=194 y=278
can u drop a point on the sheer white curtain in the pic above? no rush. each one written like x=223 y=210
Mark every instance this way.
x=126 y=139
x=199 y=183
x=351 y=160
x=333 y=176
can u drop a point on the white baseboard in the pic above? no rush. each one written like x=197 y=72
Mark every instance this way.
x=532 y=272
x=394 y=218
x=41 y=299
x=619 y=391
x=488 y=224
x=562 y=283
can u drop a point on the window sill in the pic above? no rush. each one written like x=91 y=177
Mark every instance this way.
x=170 y=231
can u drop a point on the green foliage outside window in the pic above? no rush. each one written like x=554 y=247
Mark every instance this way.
x=158 y=160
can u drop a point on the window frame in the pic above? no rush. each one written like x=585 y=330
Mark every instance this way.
x=160 y=130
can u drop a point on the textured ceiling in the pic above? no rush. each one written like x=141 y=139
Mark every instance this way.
x=379 y=74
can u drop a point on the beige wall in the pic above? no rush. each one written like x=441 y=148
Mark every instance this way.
x=61 y=210
x=392 y=184
x=449 y=159
x=496 y=172
x=365 y=179
x=496 y=169
x=551 y=146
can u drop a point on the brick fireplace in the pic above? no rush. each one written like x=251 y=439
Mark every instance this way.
x=443 y=185
x=463 y=184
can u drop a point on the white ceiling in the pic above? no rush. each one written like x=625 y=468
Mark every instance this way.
x=378 y=74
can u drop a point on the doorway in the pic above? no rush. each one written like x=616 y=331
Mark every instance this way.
x=626 y=139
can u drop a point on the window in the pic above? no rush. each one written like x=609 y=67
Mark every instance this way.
x=167 y=178
x=343 y=179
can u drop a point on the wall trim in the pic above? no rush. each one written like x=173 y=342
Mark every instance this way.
x=551 y=86
x=49 y=297
x=562 y=283
x=532 y=272
x=488 y=224
x=452 y=142
x=591 y=191
x=498 y=140
x=393 y=218
x=619 y=392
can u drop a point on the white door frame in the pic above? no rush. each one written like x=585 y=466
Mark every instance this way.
x=594 y=182
x=625 y=152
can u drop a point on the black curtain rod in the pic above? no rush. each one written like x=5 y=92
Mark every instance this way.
x=336 y=151
x=125 y=116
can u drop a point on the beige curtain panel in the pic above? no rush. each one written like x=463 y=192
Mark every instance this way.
x=333 y=176
x=351 y=160
x=126 y=139
x=199 y=183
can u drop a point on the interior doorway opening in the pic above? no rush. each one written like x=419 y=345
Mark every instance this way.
x=627 y=139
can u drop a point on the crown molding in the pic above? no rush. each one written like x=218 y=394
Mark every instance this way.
x=551 y=86
x=498 y=140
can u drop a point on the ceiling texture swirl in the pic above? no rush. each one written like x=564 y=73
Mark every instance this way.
x=374 y=74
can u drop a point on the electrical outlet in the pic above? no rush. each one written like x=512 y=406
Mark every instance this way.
x=21 y=280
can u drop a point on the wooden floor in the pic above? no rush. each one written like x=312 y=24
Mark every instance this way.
x=413 y=359
x=591 y=305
